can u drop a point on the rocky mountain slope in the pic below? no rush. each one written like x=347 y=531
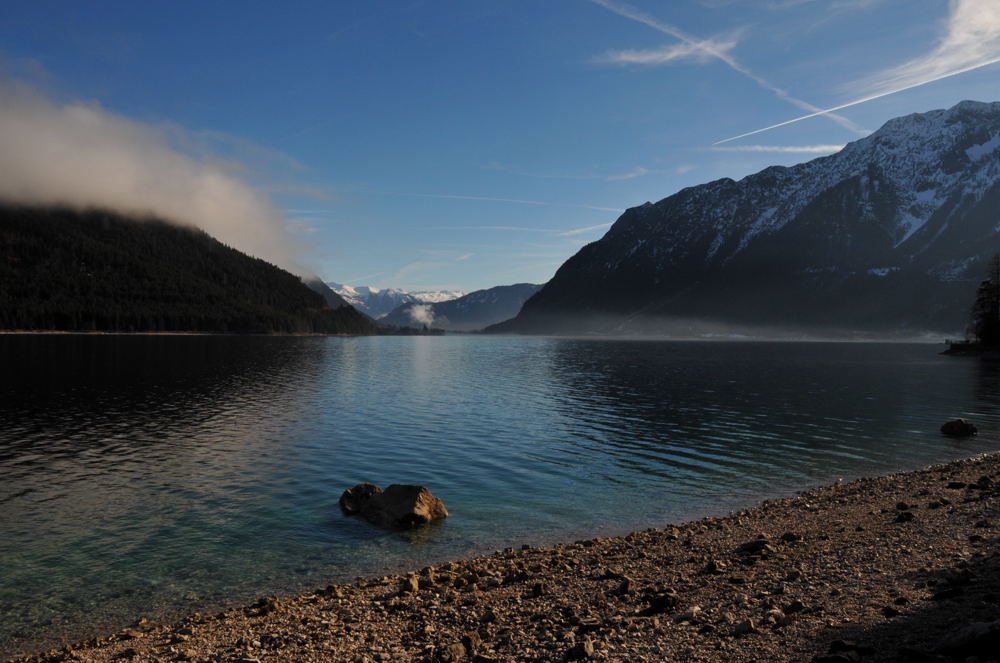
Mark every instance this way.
x=98 y=271
x=891 y=234
x=473 y=311
x=379 y=302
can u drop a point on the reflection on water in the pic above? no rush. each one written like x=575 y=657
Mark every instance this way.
x=150 y=475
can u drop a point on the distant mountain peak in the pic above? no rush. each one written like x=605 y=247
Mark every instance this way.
x=876 y=235
x=379 y=302
x=470 y=312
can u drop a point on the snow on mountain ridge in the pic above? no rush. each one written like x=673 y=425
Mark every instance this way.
x=924 y=158
x=379 y=302
x=895 y=224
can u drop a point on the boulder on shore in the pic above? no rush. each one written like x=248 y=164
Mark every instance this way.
x=959 y=428
x=400 y=506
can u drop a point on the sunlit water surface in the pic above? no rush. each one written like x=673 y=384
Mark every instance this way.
x=157 y=475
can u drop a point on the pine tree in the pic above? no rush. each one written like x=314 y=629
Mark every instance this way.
x=986 y=310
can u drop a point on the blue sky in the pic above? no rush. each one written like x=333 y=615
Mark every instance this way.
x=445 y=144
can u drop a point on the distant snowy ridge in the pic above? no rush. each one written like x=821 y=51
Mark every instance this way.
x=470 y=312
x=888 y=232
x=378 y=302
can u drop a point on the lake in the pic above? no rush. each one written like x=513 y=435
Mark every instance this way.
x=159 y=475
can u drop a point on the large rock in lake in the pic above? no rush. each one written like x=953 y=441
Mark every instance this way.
x=400 y=506
x=959 y=428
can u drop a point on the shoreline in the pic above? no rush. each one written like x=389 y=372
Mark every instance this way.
x=891 y=562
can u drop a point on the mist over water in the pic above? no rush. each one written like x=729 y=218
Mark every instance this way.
x=162 y=475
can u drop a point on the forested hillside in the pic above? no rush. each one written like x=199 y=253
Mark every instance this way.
x=68 y=270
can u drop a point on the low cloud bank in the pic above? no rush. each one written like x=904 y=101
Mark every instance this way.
x=81 y=155
x=422 y=314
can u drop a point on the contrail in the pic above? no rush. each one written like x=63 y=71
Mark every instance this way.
x=862 y=100
x=517 y=201
x=631 y=13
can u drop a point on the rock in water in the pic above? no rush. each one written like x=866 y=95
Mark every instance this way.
x=400 y=506
x=353 y=499
x=959 y=428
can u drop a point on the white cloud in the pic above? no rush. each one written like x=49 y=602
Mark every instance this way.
x=422 y=314
x=81 y=155
x=786 y=149
x=970 y=40
x=711 y=49
x=696 y=52
x=638 y=171
x=516 y=201
x=580 y=231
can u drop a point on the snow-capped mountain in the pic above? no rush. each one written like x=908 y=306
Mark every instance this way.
x=890 y=233
x=473 y=311
x=378 y=302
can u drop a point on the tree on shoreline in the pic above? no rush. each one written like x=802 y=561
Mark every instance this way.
x=986 y=310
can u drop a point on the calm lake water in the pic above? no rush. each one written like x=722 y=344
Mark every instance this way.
x=158 y=475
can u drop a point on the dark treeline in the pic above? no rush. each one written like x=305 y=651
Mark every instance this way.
x=98 y=271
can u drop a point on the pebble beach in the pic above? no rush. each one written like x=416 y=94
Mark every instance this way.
x=902 y=567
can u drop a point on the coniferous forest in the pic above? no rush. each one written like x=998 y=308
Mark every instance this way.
x=98 y=271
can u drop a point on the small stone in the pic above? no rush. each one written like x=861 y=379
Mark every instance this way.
x=745 y=627
x=472 y=643
x=452 y=653
x=410 y=585
x=581 y=650
x=664 y=602
x=902 y=506
x=715 y=567
x=540 y=589
x=791 y=537
x=689 y=615
x=774 y=616
x=904 y=517
x=890 y=612
x=627 y=586
x=755 y=547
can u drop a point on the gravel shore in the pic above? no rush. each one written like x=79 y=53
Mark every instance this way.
x=904 y=567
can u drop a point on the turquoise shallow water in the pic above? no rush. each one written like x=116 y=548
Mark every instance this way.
x=157 y=475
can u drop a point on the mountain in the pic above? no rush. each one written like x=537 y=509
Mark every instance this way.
x=473 y=311
x=379 y=302
x=889 y=235
x=332 y=299
x=96 y=270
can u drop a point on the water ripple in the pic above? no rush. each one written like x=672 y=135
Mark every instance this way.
x=157 y=474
